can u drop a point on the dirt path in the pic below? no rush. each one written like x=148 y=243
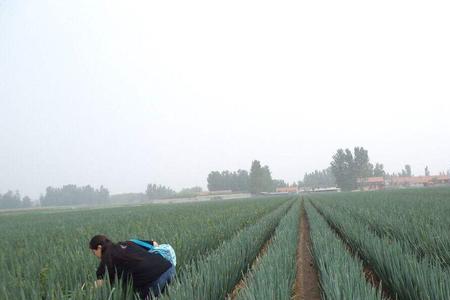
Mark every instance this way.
x=307 y=281
x=241 y=283
x=369 y=273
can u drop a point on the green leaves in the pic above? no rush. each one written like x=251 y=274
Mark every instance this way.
x=274 y=274
x=45 y=254
x=418 y=218
x=213 y=276
x=341 y=275
x=406 y=274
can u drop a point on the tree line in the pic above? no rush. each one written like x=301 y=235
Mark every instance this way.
x=258 y=180
x=237 y=181
x=11 y=200
x=345 y=169
x=73 y=195
x=318 y=179
x=158 y=191
x=155 y=191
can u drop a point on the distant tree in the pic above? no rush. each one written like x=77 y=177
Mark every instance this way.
x=226 y=180
x=256 y=177
x=260 y=178
x=214 y=181
x=196 y=189
x=190 y=192
x=26 y=202
x=378 y=171
x=242 y=180
x=279 y=183
x=10 y=200
x=102 y=194
x=73 y=195
x=128 y=198
x=318 y=179
x=267 y=181
x=159 y=191
x=427 y=171
x=347 y=167
x=361 y=165
x=406 y=172
x=342 y=167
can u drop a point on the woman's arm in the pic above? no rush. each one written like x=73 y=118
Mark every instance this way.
x=98 y=283
x=103 y=268
x=151 y=242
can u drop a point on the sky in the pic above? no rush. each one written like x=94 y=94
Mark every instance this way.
x=124 y=93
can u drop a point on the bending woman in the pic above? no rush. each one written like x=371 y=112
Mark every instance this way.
x=148 y=272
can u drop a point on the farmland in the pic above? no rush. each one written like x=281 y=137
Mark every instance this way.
x=371 y=245
x=402 y=235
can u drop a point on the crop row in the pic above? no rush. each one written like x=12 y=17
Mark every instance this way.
x=401 y=271
x=45 y=255
x=341 y=275
x=214 y=276
x=273 y=275
x=418 y=222
x=425 y=233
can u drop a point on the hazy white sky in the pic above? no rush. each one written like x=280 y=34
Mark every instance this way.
x=131 y=92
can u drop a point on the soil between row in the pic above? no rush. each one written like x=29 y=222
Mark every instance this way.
x=307 y=279
x=241 y=283
x=307 y=286
x=369 y=273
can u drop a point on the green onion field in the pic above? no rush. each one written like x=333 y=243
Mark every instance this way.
x=392 y=244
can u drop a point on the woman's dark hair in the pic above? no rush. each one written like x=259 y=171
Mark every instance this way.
x=100 y=240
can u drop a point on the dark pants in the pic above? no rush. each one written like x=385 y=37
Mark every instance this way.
x=159 y=285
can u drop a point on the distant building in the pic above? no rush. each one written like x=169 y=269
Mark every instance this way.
x=441 y=179
x=411 y=181
x=324 y=190
x=222 y=192
x=379 y=183
x=419 y=180
x=371 y=183
x=289 y=190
